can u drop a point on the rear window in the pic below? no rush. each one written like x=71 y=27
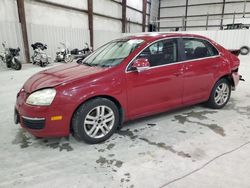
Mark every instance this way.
x=198 y=48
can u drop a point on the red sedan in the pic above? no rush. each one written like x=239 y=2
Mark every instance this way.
x=125 y=79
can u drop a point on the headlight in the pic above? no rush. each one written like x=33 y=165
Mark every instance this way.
x=42 y=97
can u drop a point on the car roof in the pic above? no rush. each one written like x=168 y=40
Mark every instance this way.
x=151 y=36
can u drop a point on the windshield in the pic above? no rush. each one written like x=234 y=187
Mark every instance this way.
x=113 y=53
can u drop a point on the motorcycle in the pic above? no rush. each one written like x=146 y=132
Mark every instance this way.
x=81 y=54
x=10 y=56
x=63 y=54
x=39 y=57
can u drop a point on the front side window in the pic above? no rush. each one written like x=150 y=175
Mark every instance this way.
x=113 y=53
x=161 y=53
x=198 y=48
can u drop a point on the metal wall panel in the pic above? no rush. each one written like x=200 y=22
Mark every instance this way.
x=102 y=37
x=166 y=3
x=197 y=12
x=230 y=39
x=105 y=7
x=171 y=12
x=10 y=32
x=134 y=16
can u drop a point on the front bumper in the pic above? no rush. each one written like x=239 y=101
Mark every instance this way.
x=38 y=120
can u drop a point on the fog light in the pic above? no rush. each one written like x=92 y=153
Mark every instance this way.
x=55 y=118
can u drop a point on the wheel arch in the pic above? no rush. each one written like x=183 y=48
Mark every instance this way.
x=113 y=99
x=228 y=77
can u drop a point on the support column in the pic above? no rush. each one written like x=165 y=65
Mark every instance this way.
x=159 y=15
x=22 y=20
x=222 y=14
x=144 y=11
x=185 y=21
x=90 y=18
x=124 y=6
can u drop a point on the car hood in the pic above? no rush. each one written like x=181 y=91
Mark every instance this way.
x=59 y=75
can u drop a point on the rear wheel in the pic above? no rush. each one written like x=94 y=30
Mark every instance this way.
x=220 y=94
x=95 y=121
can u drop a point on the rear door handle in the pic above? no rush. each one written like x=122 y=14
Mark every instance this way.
x=179 y=73
x=216 y=66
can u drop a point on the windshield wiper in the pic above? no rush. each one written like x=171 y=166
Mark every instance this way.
x=85 y=63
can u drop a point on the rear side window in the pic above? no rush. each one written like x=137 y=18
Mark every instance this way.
x=198 y=48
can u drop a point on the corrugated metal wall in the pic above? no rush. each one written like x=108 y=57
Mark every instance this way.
x=10 y=32
x=53 y=24
x=230 y=39
x=202 y=15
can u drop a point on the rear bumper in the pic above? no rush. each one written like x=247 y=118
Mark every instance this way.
x=236 y=78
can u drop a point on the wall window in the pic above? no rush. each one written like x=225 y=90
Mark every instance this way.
x=161 y=53
x=198 y=48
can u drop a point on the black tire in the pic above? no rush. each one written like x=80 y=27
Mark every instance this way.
x=18 y=65
x=68 y=59
x=8 y=64
x=42 y=64
x=80 y=125
x=212 y=101
x=244 y=50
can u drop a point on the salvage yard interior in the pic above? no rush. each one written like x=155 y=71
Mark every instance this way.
x=192 y=146
x=44 y=143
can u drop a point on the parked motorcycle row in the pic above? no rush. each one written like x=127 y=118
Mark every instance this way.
x=11 y=56
x=63 y=54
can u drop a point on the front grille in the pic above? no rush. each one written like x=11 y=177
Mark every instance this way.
x=33 y=123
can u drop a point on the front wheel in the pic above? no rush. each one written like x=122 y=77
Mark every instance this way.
x=95 y=121
x=17 y=65
x=220 y=94
x=68 y=58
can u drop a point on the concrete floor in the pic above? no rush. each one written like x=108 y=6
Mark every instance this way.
x=191 y=147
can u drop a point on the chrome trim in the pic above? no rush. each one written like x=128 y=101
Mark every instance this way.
x=178 y=62
x=29 y=118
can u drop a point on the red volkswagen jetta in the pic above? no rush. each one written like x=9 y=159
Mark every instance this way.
x=128 y=78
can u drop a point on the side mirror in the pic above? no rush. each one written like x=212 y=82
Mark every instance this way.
x=141 y=64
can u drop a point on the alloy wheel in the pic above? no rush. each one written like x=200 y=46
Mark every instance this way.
x=221 y=94
x=99 y=121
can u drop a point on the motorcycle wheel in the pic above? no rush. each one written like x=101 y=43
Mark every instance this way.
x=68 y=59
x=8 y=64
x=17 y=65
x=42 y=64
